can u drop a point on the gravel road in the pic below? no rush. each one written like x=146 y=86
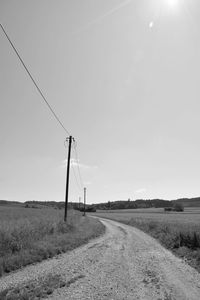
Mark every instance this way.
x=125 y=263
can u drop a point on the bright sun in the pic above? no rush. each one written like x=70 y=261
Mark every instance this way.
x=172 y=3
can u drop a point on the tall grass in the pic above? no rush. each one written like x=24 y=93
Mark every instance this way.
x=182 y=239
x=173 y=236
x=31 y=235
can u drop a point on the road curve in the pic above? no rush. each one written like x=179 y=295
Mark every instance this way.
x=129 y=264
x=125 y=263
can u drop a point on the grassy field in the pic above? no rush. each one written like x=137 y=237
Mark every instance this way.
x=179 y=232
x=30 y=235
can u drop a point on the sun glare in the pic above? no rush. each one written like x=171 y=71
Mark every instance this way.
x=172 y=3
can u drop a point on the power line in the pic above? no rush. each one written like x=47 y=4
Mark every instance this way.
x=78 y=185
x=33 y=80
x=76 y=154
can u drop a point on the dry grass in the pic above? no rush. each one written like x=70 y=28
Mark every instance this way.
x=31 y=235
x=179 y=232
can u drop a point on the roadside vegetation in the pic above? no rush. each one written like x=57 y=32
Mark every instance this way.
x=37 y=289
x=179 y=232
x=29 y=235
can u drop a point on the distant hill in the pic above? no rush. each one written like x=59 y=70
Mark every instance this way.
x=186 y=202
x=119 y=204
x=39 y=204
x=140 y=203
x=12 y=203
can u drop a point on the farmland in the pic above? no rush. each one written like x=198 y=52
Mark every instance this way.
x=29 y=235
x=179 y=232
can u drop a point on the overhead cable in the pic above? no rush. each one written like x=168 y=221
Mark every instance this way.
x=77 y=183
x=77 y=159
x=33 y=80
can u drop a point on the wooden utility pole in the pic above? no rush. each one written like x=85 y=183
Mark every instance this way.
x=84 y=200
x=67 y=177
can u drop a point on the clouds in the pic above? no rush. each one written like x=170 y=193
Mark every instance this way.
x=140 y=191
x=76 y=163
x=87 y=183
x=85 y=172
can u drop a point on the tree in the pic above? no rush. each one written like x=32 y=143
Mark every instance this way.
x=178 y=207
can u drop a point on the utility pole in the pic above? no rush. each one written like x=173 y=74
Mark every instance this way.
x=84 y=200
x=67 y=177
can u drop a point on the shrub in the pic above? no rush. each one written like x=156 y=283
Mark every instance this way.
x=168 y=208
x=178 y=207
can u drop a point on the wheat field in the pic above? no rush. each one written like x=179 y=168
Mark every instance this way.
x=30 y=235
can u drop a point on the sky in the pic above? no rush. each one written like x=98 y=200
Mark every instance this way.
x=123 y=77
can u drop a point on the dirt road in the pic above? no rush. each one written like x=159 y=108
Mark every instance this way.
x=125 y=263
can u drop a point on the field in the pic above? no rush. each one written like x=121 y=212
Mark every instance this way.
x=179 y=232
x=30 y=235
